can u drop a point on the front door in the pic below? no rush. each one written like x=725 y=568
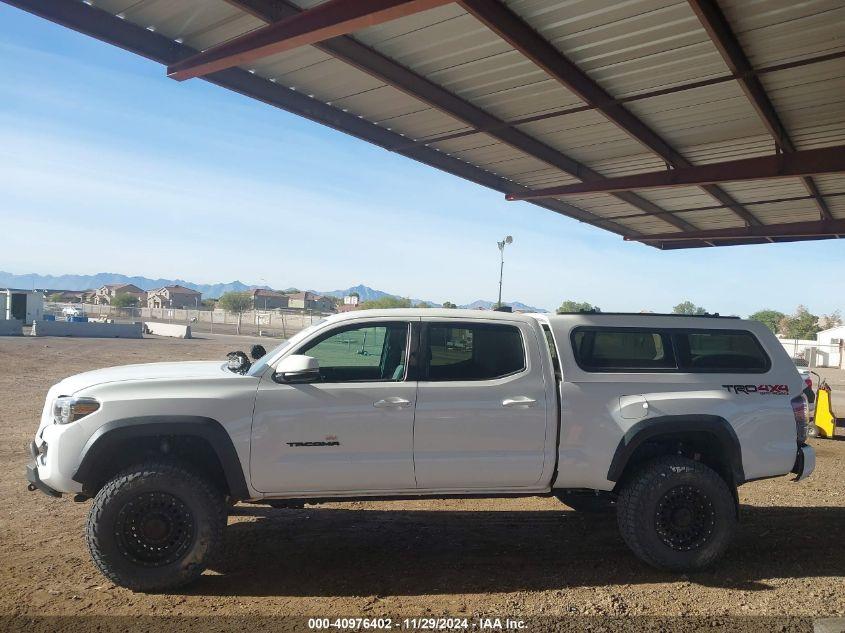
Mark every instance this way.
x=481 y=406
x=350 y=431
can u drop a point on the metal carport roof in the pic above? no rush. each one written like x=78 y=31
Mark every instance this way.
x=663 y=109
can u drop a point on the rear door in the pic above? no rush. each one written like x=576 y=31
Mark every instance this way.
x=481 y=406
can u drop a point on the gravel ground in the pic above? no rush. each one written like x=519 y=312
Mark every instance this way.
x=520 y=557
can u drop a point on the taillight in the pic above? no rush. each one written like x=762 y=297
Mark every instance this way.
x=801 y=410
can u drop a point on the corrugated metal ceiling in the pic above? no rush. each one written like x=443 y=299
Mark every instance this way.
x=627 y=47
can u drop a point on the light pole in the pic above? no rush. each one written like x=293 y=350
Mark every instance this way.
x=502 y=244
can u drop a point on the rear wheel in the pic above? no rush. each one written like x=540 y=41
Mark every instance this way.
x=677 y=514
x=155 y=527
x=813 y=430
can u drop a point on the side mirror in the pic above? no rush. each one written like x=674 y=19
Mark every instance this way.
x=297 y=369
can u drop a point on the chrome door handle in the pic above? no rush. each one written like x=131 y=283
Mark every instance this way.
x=391 y=402
x=519 y=401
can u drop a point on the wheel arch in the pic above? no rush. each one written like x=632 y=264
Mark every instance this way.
x=715 y=432
x=205 y=438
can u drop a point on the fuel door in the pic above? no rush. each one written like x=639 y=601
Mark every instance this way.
x=633 y=407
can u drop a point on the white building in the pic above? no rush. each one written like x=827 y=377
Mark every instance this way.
x=825 y=351
x=24 y=305
x=831 y=342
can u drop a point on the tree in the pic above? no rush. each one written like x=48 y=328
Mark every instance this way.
x=577 y=306
x=387 y=302
x=423 y=304
x=449 y=305
x=802 y=324
x=355 y=293
x=124 y=300
x=55 y=297
x=237 y=303
x=771 y=318
x=827 y=321
x=209 y=303
x=689 y=308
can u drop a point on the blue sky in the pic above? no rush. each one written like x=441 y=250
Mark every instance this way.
x=107 y=165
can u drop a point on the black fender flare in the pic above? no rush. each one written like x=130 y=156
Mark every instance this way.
x=107 y=438
x=652 y=428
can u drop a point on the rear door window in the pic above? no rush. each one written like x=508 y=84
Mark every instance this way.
x=473 y=351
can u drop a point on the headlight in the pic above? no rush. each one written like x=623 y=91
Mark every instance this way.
x=67 y=409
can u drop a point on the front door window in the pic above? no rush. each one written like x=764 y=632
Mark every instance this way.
x=362 y=353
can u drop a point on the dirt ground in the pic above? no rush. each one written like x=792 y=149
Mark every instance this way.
x=522 y=557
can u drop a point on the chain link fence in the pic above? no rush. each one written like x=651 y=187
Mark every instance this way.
x=279 y=323
x=810 y=353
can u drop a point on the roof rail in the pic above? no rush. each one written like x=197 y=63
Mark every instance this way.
x=707 y=315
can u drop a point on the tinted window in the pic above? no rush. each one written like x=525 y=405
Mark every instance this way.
x=721 y=351
x=473 y=352
x=609 y=349
x=362 y=353
x=630 y=349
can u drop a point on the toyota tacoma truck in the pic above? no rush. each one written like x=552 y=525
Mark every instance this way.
x=659 y=416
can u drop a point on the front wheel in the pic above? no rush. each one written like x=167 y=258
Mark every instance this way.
x=155 y=527
x=676 y=514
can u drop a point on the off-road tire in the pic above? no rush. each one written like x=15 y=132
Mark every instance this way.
x=192 y=508
x=647 y=521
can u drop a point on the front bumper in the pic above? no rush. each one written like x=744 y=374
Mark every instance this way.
x=805 y=462
x=32 y=477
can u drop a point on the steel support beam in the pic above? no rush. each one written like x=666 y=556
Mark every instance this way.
x=107 y=28
x=716 y=207
x=327 y=20
x=827 y=160
x=725 y=41
x=818 y=228
x=390 y=72
x=510 y=27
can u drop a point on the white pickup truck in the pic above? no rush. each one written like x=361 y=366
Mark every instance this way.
x=663 y=416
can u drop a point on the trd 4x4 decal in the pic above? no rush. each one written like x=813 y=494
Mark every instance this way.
x=763 y=390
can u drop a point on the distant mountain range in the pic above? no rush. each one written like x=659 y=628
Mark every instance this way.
x=481 y=304
x=88 y=282
x=210 y=291
x=365 y=293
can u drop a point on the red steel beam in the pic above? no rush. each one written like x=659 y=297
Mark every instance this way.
x=510 y=27
x=827 y=160
x=325 y=21
x=720 y=33
x=817 y=228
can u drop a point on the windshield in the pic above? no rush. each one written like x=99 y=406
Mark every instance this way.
x=261 y=363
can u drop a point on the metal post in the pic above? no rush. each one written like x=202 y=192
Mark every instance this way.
x=501 y=271
x=501 y=245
